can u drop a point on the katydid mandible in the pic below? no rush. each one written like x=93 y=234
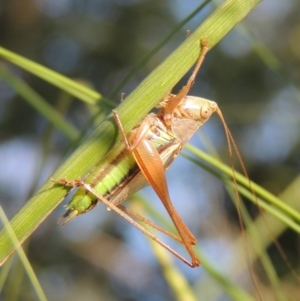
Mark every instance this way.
x=158 y=139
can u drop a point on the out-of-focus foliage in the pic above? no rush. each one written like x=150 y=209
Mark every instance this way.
x=98 y=42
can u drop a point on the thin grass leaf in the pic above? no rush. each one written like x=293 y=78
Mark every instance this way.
x=72 y=87
x=275 y=212
x=268 y=58
x=176 y=280
x=241 y=179
x=40 y=104
x=4 y=273
x=22 y=255
x=134 y=70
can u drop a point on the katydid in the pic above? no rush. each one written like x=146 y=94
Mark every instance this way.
x=141 y=160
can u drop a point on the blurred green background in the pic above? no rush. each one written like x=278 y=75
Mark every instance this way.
x=99 y=256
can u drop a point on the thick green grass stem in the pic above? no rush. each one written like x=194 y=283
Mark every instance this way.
x=131 y=111
x=74 y=88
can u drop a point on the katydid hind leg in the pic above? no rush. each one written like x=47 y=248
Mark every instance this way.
x=155 y=175
x=148 y=222
x=144 y=152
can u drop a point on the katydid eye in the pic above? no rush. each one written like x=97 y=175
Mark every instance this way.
x=205 y=112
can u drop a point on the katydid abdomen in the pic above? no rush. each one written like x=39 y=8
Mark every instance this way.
x=118 y=176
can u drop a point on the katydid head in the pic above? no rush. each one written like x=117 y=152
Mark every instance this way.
x=191 y=113
x=196 y=108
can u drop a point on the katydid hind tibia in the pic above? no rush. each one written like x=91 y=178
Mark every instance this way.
x=157 y=139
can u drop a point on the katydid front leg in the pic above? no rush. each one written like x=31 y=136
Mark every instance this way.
x=172 y=105
x=151 y=165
